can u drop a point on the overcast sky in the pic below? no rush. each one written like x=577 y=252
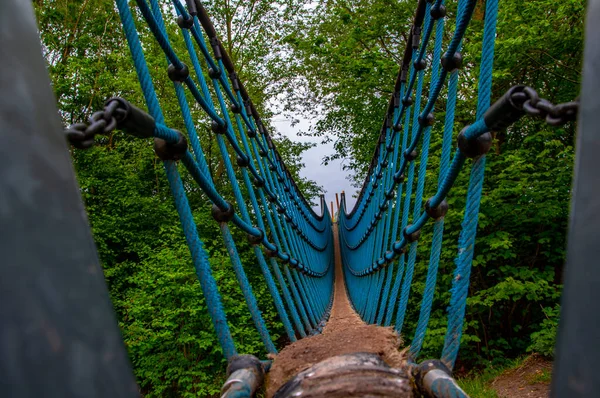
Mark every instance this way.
x=331 y=177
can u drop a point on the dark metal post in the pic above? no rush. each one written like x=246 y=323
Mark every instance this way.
x=58 y=332
x=577 y=366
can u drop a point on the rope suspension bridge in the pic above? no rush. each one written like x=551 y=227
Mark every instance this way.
x=368 y=256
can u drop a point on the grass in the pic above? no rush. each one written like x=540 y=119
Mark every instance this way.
x=478 y=385
x=544 y=376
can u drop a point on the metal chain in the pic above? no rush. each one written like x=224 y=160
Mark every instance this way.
x=81 y=135
x=533 y=105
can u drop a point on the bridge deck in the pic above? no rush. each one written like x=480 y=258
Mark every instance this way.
x=344 y=333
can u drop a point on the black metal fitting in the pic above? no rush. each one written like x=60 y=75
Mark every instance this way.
x=244 y=373
x=399 y=179
x=191 y=6
x=214 y=73
x=399 y=250
x=379 y=175
x=248 y=106
x=407 y=101
x=286 y=189
x=242 y=161
x=178 y=75
x=436 y=212
x=390 y=148
x=416 y=36
x=240 y=362
x=450 y=64
x=397 y=127
x=384 y=206
x=396 y=99
x=235 y=82
x=411 y=237
x=389 y=195
x=388 y=122
x=252 y=133
x=259 y=182
x=236 y=109
x=505 y=111
x=263 y=131
x=223 y=215
x=387 y=254
x=218 y=128
x=272 y=167
x=403 y=74
x=216 y=46
x=185 y=23
x=410 y=156
x=420 y=64
x=427 y=121
x=271 y=198
x=475 y=147
x=132 y=119
x=384 y=164
x=255 y=240
x=288 y=219
x=438 y=12
x=378 y=217
x=438 y=371
x=280 y=179
x=280 y=209
x=262 y=153
x=375 y=185
x=167 y=151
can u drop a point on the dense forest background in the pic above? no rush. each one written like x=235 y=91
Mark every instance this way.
x=334 y=62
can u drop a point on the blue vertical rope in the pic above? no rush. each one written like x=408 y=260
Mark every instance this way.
x=379 y=271
x=303 y=240
x=466 y=245
x=199 y=256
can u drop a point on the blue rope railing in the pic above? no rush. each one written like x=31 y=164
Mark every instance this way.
x=391 y=200
x=291 y=244
x=288 y=238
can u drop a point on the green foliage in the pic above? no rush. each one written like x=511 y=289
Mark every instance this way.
x=478 y=384
x=481 y=383
x=544 y=340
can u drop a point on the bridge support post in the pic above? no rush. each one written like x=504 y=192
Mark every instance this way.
x=577 y=362
x=58 y=333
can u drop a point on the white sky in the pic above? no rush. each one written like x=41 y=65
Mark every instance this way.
x=331 y=177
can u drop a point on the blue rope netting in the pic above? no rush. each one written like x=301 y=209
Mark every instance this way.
x=379 y=265
x=292 y=245
x=289 y=240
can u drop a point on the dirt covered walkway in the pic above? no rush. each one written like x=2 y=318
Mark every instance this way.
x=344 y=333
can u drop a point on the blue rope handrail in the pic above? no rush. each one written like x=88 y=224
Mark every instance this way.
x=275 y=215
x=394 y=187
x=290 y=243
x=288 y=238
